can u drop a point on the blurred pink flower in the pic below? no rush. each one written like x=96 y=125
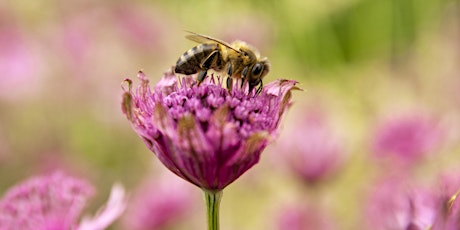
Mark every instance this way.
x=19 y=66
x=204 y=133
x=54 y=202
x=406 y=138
x=158 y=204
x=312 y=149
x=448 y=202
x=299 y=217
x=393 y=204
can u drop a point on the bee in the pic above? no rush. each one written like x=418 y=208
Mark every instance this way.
x=238 y=59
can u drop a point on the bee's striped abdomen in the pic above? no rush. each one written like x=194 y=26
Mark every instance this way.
x=190 y=62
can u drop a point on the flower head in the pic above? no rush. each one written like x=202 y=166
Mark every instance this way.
x=448 y=203
x=393 y=204
x=407 y=138
x=19 y=64
x=205 y=134
x=312 y=149
x=52 y=202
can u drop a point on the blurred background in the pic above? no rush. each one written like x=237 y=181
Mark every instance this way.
x=381 y=97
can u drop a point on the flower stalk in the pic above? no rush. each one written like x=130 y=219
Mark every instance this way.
x=212 y=199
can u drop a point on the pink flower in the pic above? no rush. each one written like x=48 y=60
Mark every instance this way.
x=448 y=203
x=158 y=204
x=53 y=202
x=205 y=134
x=312 y=149
x=19 y=65
x=393 y=204
x=298 y=217
x=406 y=138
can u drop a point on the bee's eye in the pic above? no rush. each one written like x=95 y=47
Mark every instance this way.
x=257 y=69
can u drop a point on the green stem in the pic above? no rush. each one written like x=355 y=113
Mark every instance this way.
x=212 y=199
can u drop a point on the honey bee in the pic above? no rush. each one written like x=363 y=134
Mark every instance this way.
x=238 y=59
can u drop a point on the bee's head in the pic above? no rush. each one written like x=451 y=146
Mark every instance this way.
x=255 y=73
x=262 y=66
x=258 y=70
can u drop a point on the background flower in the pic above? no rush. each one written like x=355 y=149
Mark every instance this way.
x=20 y=64
x=407 y=138
x=396 y=203
x=54 y=201
x=448 y=206
x=311 y=148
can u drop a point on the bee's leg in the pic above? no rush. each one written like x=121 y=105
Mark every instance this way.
x=254 y=84
x=259 y=89
x=205 y=65
x=229 y=84
x=243 y=75
x=229 y=69
x=201 y=76
x=229 y=77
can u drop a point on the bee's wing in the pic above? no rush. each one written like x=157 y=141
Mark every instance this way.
x=199 y=38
